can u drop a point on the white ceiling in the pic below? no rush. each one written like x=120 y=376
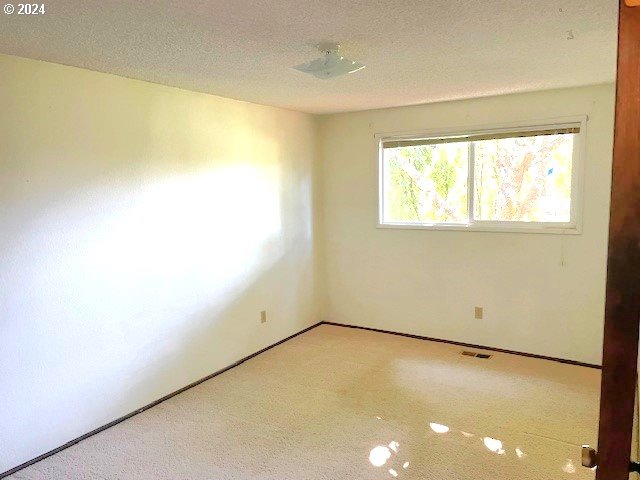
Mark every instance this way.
x=416 y=51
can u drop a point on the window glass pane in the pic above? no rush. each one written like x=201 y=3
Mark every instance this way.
x=426 y=183
x=524 y=179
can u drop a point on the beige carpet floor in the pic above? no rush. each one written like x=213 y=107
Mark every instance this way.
x=340 y=403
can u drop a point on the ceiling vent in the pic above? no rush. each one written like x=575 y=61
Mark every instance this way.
x=332 y=64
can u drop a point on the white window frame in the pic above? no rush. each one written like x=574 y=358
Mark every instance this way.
x=573 y=227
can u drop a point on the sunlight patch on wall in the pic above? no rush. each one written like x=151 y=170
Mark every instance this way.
x=215 y=218
x=150 y=258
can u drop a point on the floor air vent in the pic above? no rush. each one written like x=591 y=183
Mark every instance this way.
x=467 y=353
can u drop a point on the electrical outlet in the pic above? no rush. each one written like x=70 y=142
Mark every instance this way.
x=479 y=313
x=263 y=316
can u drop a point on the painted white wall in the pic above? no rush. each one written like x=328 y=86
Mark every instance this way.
x=143 y=229
x=541 y=293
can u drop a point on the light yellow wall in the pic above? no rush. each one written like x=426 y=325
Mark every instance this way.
x=542 y=294
x=143 y=229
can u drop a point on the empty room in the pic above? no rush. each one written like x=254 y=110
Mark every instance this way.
x=302 y=239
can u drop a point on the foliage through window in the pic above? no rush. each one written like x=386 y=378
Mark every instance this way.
x=514 y=179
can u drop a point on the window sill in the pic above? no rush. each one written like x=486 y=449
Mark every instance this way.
x=537 y=228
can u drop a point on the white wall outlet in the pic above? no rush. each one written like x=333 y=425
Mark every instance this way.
x=479 y=313
x=263 y=316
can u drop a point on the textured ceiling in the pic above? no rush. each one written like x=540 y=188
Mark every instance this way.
x=416 y=51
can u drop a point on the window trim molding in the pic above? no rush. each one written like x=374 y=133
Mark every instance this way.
x=577 y=178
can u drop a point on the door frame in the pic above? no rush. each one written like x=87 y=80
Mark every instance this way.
x=622 y=311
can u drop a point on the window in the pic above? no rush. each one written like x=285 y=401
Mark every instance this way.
x=517 y=179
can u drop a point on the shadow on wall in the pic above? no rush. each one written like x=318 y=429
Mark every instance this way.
x=136 y=251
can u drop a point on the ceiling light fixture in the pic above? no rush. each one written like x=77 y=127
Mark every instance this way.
x=331 y=65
